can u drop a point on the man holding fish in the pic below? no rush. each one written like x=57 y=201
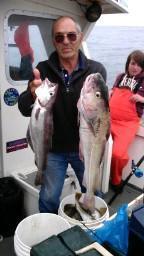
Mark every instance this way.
x=66 y=70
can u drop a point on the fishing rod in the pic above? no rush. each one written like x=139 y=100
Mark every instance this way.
x=135 y=170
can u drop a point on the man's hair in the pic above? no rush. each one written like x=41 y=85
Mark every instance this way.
x=78 y=27
x=137 y=56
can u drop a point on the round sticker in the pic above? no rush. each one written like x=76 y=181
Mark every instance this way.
x=11 y=96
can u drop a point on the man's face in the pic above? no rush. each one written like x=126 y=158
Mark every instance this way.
x=66 y=38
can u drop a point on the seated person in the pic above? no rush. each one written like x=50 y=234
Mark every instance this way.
x=126 y=109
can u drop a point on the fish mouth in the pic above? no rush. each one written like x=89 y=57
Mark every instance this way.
x=46 y=93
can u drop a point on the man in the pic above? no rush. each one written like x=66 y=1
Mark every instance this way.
x=68 y=67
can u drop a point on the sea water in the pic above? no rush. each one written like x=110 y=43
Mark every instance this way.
x=112 y=44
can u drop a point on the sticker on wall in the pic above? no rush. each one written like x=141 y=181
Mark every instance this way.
x=11 y=96
x=16 y=145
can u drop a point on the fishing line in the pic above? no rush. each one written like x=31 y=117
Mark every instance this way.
x=92 y=232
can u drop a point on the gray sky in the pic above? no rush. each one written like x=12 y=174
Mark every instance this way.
x=135 y=17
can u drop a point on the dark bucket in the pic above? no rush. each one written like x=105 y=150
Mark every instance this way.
x=11 y=206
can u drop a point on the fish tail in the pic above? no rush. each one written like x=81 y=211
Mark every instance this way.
x=89 y=202
x=39 y=178
x=86 y=202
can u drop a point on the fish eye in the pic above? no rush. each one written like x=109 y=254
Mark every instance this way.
x=51 y=93
x=98 y=94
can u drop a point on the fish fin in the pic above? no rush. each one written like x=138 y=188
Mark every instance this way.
x=38 y=178
x=81 y=156
x=78 y=118
x=78 y=196
x=28 y=137
x=108 y=134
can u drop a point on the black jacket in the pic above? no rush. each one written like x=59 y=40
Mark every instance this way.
x=65 y=113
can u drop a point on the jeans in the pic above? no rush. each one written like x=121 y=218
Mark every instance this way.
x=54 y=177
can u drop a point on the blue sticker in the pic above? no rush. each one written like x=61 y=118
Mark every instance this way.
x=11 y=96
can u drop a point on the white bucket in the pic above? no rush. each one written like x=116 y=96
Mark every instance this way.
x=99 y=203
x=36 y=228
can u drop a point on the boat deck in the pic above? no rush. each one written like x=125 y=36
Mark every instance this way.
x=129 y=194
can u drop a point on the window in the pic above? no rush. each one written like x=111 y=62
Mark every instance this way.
x=29 y=42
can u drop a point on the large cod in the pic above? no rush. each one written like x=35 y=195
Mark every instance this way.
x=94 y=130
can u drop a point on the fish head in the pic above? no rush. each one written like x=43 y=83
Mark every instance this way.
x=46 y=93
x=94 y=96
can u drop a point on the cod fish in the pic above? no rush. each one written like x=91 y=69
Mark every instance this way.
x=94 y=130
x=40 y=128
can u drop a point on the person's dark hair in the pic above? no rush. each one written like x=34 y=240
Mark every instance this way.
x=78 y=27
x=137 y=56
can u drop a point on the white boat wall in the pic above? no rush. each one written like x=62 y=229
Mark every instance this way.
x=16 y=157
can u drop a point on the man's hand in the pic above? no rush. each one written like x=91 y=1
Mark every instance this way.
x=35 y=83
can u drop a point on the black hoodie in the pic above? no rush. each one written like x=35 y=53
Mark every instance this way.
x=65 y=114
